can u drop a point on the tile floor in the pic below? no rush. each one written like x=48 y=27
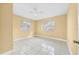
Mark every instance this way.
x=39 y=46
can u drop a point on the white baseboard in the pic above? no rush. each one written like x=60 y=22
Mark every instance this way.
x=59 y=39
x=7 y=53
x=69 y=48
x=20 y=38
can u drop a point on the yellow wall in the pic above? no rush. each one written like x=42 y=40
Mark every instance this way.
x=72 y=27
x=5 y=27
x=17 y=32
x=60 y=30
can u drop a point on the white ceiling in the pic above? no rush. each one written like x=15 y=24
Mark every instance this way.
x=44 y=9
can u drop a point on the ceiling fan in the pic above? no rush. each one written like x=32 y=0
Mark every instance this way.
x=36 y=12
